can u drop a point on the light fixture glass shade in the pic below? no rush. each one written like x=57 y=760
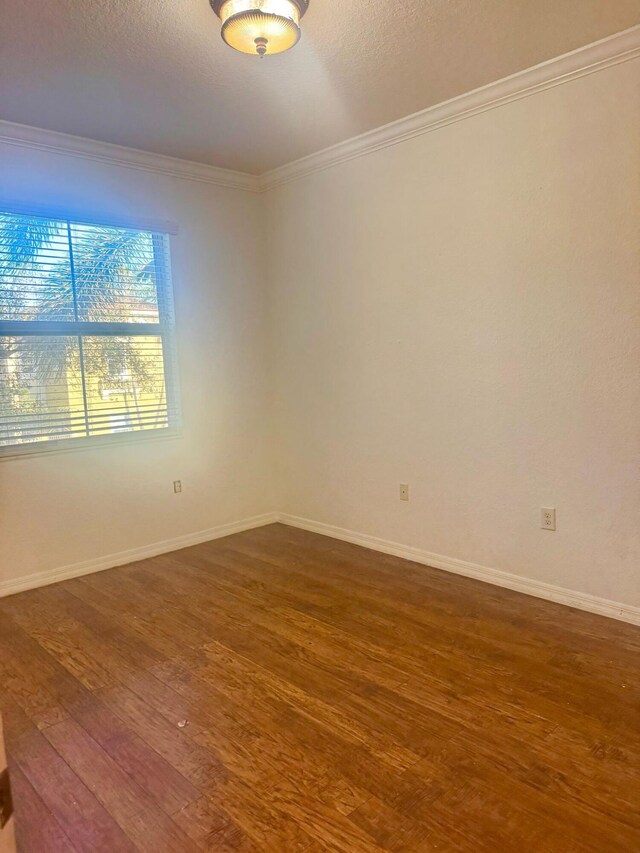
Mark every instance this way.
x=260 y=27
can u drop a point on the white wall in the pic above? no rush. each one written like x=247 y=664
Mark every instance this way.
x=59 y=509
x=461 y=312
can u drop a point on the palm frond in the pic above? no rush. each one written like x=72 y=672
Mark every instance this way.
x=22 y=237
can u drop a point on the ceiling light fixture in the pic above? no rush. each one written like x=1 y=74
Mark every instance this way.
x=260 y=26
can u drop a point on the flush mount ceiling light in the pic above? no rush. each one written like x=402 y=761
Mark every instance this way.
x=260 y=27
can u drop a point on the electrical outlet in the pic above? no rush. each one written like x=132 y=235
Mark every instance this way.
x=177 y=486
x=404 y=492
x=548 y=518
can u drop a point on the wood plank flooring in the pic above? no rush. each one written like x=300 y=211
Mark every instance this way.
x=280 y=691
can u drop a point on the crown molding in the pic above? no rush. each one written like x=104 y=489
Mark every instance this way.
x=605 y=53
x=602 y=54
x=24 y=136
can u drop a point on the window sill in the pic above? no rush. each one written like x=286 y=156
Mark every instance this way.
x=73 y=445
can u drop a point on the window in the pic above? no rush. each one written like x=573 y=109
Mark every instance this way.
x=86 y=332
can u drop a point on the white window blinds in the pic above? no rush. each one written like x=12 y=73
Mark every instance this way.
x=86 y=331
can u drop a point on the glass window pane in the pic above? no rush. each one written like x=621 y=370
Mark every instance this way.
x=125 y=384
x=35 y=269
x=115 y=275
x=40 y=389
x=67 y=385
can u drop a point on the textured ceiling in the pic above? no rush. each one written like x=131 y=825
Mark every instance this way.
x=156 y=75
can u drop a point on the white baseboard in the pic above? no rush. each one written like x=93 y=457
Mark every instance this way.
x=550 y=592
x=121 y=558
x=558 y=594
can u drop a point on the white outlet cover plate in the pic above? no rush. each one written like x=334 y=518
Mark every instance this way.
x=548 y=518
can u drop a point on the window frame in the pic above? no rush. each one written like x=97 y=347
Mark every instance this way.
x=164 y=329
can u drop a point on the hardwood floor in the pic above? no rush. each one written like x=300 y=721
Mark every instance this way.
x=280 y=691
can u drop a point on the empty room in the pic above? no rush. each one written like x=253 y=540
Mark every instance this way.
x=320 y=426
